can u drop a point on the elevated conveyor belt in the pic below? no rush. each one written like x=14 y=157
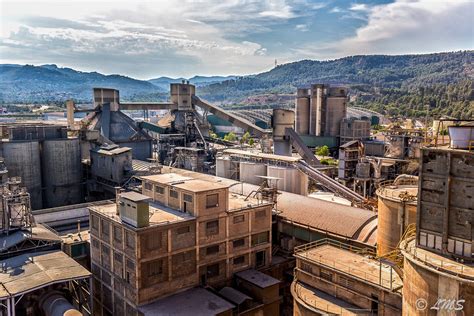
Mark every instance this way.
x=329 y=182
x=147 y=106
x=301 y=147
x=232 y=118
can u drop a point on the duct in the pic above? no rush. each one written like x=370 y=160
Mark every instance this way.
x=405 y=179
x=55 y=304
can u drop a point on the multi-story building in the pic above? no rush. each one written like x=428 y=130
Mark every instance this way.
x=180 y=233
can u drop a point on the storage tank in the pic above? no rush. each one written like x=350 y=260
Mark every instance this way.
x=396 y=210
x=22 y=159
x=292 y=180
x=316 y=109
x=249 y=172
x=363 y=169
x=430 y=280
x=302 y=107
x=62 y=172
x=336 y=108
x=282 y=119
x=461 y=136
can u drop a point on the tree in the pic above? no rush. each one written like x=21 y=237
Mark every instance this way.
x=251 y=142
x=322 y=151
x=230 y=137
x=245 y=137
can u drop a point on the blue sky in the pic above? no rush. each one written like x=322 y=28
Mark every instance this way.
x=147 y=39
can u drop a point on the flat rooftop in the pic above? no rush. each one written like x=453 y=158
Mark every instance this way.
x=166 y=178
x=134 y=196
x=258 y=278
x=160 y=214
x=196 y=301
x=197 y=185
x=30 y=271
x=351 y=263
x=240 y=202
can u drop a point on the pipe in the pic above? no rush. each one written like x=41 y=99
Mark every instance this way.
x=405 y=179
x=55 y=304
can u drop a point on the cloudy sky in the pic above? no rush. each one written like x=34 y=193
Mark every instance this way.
x=147 y=39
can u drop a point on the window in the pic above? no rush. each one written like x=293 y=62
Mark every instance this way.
x=260 y=259
x=212 y=250
x=325 y=275
x=188 y=198
x=183 y=230
x=130 y=239
x=212 y=200
x=212 y=270
x=182 y=257
x=95 y=222
x=306 y=267
x=212 y=228
x=154 y=241
x=148 y=186
x=239 y=219
x=159 y=190
x=346 y=282
x=260 y=238
x=155 y=267
x=117 y=234
x=260 y=214
x=105 y=228
x=239 y=260
x=238 y=243
x=174 y=194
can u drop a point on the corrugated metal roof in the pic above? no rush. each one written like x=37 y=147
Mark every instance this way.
x=30 y=271
x=258 y=278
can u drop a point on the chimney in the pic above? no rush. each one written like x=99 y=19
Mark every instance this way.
x=70 y=113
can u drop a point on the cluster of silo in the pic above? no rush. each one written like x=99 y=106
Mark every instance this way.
x=50 y=168
x=320 y=110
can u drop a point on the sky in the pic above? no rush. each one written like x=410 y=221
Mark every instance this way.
x=149 y=39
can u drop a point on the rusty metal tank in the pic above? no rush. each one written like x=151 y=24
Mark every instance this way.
x=302 y=108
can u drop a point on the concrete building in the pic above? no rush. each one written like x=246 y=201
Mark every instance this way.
x=354 y=129
x=438 y=263
x=178 y=234
x=335 y=278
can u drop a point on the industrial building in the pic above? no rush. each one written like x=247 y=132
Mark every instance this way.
x=36 y=277
x=180 y=233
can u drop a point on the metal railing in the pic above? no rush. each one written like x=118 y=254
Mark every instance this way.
x=379 y=278
x=439 y=263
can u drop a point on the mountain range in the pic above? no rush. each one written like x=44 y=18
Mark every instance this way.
x=382 y=82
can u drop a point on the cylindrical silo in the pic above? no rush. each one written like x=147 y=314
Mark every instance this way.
x=316 y=109
x=302 y=107
x=435 y=285
x=22 y=159
x=281 y=120
x=396 y=210
x=249 y=172
x=62 y=174
x=336 y=108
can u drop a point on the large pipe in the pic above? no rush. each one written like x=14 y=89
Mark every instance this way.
x=55 y=304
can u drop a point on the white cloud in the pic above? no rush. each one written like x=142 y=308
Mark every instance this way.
x=405 y=26
x=162 y=37
x=359 y=7
x=302 y=27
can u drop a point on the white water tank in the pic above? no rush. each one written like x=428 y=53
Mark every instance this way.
x=461 y=136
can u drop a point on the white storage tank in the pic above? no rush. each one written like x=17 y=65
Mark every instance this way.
x=461 y=136
x=22 y=159
x=62 y=179
x=249 y=172
x=292 y=180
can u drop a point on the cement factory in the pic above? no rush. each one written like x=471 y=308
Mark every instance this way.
x=129 y=208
